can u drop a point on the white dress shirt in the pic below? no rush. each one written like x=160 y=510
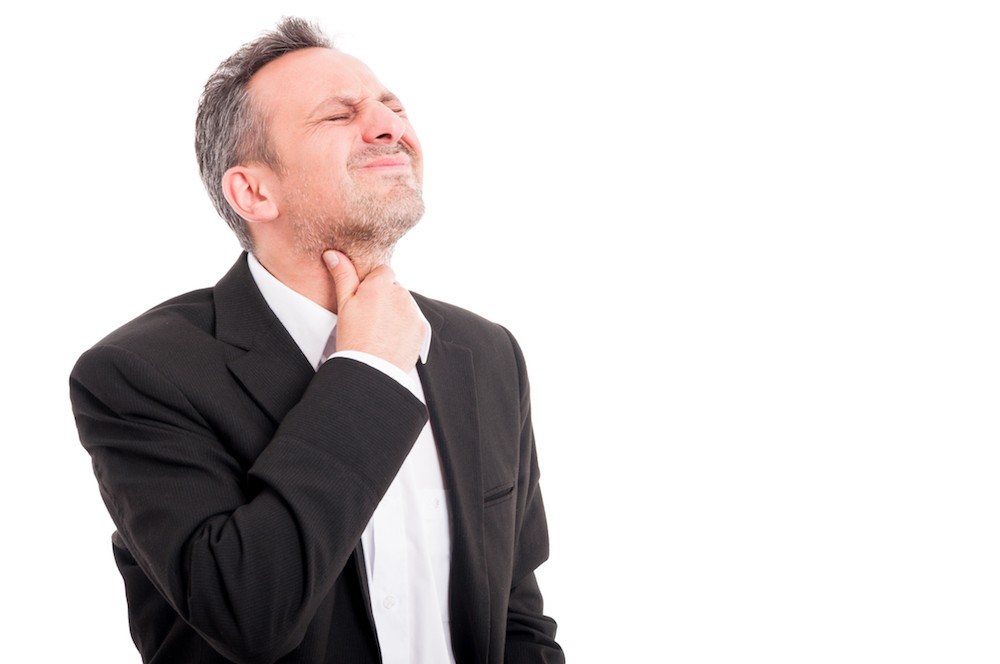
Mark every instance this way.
x=407 y=542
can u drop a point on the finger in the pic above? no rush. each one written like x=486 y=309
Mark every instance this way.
x=382 y=277
x=345 y=277
x=383 y=273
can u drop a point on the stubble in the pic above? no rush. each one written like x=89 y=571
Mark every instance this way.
x=372 y=219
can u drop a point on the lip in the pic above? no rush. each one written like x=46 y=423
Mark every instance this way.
x=395 y=161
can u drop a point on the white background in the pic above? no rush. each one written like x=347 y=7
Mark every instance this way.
x=750 y=250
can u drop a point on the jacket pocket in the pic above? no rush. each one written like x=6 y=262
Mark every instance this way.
x=498 y=494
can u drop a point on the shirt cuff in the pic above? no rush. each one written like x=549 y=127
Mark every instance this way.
x=385 y=366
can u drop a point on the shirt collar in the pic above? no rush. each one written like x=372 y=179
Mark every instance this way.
x=309 y=324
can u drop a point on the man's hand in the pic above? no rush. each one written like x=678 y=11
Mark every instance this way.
x=375 y=315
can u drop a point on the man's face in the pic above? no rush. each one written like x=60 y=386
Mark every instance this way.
x=351 y=166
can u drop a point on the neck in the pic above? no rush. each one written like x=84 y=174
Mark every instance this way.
x=310 y=277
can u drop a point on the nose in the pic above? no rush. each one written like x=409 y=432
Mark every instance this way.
x=382 y=124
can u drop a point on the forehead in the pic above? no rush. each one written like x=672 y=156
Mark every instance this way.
x=297 y=81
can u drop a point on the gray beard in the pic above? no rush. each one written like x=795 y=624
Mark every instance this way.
x=367 y=232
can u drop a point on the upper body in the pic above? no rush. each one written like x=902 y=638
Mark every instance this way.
x=242 y=478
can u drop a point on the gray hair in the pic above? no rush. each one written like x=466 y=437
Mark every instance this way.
x=231 y=128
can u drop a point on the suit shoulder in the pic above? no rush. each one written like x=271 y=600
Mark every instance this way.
x=190 y=311
x=461 y=324
x=492 y=344
x=187 y=320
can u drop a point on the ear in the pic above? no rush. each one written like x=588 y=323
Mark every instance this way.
x=250 y=192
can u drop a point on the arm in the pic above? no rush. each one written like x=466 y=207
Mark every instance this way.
x=244 y=557
x=530 y=633
x=244 y=550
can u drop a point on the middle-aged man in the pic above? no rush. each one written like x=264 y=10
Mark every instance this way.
x=306 y=463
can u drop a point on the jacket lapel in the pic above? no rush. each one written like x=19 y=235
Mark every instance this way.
x=273 y=370
x=448 y=381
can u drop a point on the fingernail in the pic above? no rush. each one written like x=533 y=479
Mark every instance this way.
x=331 y=258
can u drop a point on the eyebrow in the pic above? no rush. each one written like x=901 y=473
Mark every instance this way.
x=343 y=100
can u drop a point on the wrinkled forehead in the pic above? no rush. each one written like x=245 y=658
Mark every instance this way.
x=300 y=80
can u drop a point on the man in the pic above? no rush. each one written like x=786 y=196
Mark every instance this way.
x=306 y=463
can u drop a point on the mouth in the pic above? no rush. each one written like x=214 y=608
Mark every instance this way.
x=394 y=161
x=384 y=158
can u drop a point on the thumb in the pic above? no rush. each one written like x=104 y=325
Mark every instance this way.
x=345 y=277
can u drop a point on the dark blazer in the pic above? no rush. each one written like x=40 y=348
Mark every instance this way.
x=240 y=481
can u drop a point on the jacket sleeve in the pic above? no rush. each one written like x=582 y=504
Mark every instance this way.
x=530 y=633
x=244 y=557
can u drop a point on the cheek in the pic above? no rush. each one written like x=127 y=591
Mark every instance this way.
x=418 y=160
x=410 y=138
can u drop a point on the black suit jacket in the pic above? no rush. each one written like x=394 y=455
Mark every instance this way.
x=240 y=481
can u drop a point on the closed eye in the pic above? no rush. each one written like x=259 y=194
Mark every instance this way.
x=393 y=103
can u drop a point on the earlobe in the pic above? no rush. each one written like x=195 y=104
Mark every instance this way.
x=247 y=188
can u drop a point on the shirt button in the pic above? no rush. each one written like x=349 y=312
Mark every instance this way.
x=437 y=503
x=388 y=601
